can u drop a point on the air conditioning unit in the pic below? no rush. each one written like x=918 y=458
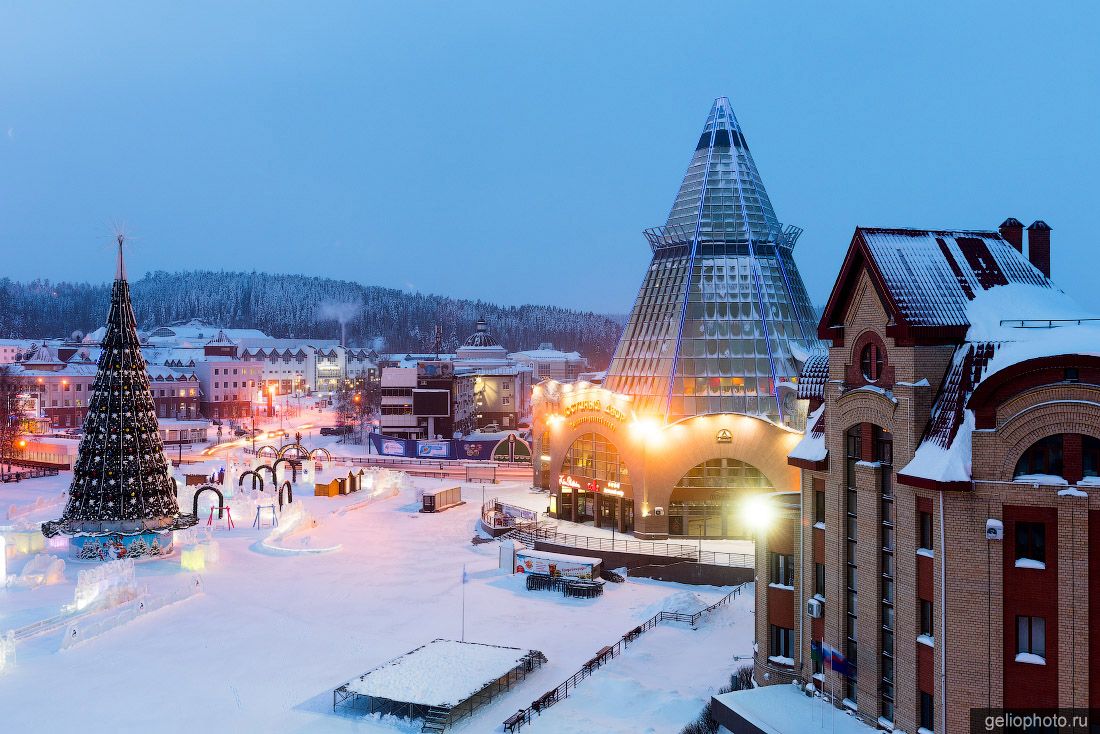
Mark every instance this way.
x=658 y=511
x=814 y=608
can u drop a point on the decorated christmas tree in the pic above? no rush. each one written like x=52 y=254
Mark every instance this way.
x=121 y=485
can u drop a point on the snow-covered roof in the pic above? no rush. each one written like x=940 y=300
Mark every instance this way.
x=1008 y=325
x=932 y=275
x=547 y=355
x=812 y=446
x=811 y=381
x=440 y=673
x=785 y=709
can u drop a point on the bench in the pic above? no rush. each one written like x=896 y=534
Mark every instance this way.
x=515 y=721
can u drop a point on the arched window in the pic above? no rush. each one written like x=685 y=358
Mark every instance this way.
x=1042 y=457
x=871 y=361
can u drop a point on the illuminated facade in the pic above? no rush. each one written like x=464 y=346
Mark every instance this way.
x=699 y=405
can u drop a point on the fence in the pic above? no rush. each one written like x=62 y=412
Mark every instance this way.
x=529 y=533
x=560 y=693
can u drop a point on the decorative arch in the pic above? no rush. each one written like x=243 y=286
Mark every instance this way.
x=255 y=478
x=293 y=463
x=320 y=449
x=208 y=488
x=274 y=451
x=289 y=494
x=512 y=449
x=300 y=451
x=271 y=469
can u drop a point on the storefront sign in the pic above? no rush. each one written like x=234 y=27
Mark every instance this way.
x=594 y=406
x=567 y=481
x=724 y=436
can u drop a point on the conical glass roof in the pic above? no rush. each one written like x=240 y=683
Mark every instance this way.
x=722 y=322
x=120 y=481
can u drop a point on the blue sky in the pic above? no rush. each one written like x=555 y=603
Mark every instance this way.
x=515 y=151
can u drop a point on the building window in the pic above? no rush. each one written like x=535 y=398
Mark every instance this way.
x=505 y=400
x=870 y=362
x=925 y=519
x=927 y=712
x=1031 y=541
x=1031 y=639
x=1043 y=457
x=1090 y=456
x=925 y=617
x=819 y=579
x=819 y=506
x=780 y=646
x=781 y=569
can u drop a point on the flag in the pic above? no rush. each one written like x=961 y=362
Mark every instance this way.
x=816 y=652
x=835 y=659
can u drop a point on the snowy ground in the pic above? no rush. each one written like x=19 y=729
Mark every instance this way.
x=262 y=648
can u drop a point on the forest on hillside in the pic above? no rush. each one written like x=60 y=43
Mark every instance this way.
x=282 y=305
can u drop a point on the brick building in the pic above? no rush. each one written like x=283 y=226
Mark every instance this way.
x=949 y=489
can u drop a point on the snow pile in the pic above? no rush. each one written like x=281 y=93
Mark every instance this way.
x=812 y=446
x=1016 y=301
x=1052 y=479
x=951 y=464
x=441 y=673
x=784 y=708
x=682 y=602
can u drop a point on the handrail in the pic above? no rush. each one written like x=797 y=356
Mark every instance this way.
x=625 y=545
x=561 y=692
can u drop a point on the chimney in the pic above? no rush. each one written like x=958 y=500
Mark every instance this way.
x=1038 y=246
x=1012 y=229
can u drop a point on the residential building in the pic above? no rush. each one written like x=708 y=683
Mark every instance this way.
x=945 y=542
x=229 y=383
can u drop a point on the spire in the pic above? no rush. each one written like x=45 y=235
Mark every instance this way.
x=722 y=196
x=120 y=270
x=722 y=322
x=121 y=483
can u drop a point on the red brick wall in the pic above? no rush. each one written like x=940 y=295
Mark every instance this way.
x=1094 y=606
x=1030 y=592
x=781 y=607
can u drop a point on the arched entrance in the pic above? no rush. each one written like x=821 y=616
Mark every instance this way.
x=705 y=503
x=512 y=450
x=595 y=485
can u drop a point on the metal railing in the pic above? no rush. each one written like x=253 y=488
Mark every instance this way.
x=530 y=532
x=561 y=692
x=33 y=472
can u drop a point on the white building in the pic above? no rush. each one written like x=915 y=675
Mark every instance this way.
x=549 y=363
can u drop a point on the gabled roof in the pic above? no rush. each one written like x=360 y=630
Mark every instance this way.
x=926 y=278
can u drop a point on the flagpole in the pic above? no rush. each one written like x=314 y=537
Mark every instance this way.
x=463 y=602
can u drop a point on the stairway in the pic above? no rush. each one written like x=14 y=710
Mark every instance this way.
x=436 y=720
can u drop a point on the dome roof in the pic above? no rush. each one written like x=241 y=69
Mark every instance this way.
x=481 y=337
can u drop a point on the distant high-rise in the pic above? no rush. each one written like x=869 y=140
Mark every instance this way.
x=722 y=323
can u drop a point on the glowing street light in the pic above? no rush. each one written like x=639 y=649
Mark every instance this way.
x=758 y=512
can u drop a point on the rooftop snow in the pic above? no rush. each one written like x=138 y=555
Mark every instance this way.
x=440 y=673
x=812 y=446
x=785 y=709
x=933 y=275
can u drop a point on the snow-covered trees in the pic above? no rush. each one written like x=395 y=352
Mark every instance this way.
x=289 y=305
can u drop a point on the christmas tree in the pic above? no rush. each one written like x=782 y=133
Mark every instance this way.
x=121 y=482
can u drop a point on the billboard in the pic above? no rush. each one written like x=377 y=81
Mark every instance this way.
x=476 y=450
x=553 y=564
x=433 y=449
x=432 y=403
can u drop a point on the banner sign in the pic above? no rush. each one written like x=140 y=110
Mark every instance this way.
x=476 y=450
x=528 y=562
x=387 y=446
x=433 y=449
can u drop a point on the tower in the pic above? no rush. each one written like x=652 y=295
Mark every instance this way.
x=722 y=322
x=121 y=491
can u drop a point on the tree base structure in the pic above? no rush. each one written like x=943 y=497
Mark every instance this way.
x=140 y=547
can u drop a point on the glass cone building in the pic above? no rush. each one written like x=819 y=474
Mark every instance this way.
x=698 y=410
x=722 y=322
